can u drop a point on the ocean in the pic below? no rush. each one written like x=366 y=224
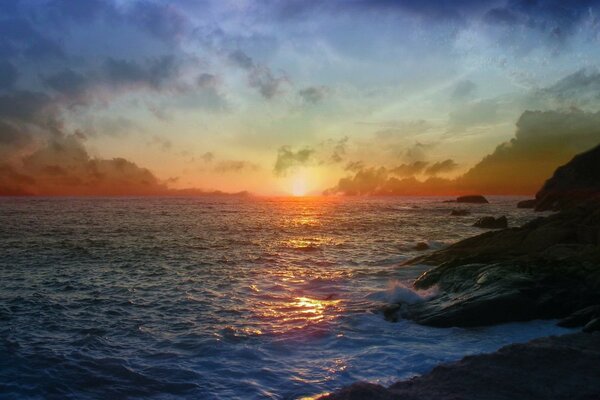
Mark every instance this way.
x=223 y=297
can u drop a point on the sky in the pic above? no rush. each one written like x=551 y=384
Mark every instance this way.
x=274 y=97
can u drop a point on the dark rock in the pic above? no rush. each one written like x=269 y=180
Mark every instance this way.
x=574 y=183
x=592 y=326
x=563 y=367
x=421 y=246
x=491 y=223
x=581 y=317
x=526 y=203
x=477 y=199
x=548 y=268
x=460 y=213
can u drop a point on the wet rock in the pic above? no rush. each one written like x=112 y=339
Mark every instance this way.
x=545 y=269
x=421 y=246
x=476 y=199
x=526 y=203
x=460 y=213
x=592 y=326
x=575 y=183
x=491 y=223
x=581 y=317
x=562 y=367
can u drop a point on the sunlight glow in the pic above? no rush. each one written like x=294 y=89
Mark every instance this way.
x=299 y=187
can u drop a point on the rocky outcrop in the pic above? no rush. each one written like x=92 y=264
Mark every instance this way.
x=548 y=268
x=574 y=183
x=474 y=199
x=491 y=223
x=460 y=213
x=563 y=367
x=527 y=203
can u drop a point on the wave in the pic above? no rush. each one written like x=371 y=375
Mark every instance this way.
x=401 y=292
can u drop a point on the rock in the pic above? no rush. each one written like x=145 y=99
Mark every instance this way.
x=592 y=326
x=476 y=199
x=421 y=246
x=491 y=223
x=581 y=317
x=460 y=213
x=572 y=184
x=526 y=203
x=553 y=368
x=548 y=268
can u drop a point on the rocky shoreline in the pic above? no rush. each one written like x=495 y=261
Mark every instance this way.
x=548 y=268
x=560 y=367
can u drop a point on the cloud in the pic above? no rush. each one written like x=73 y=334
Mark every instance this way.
x=314 y=94
x=441 y=167
x=579 y=89
x=411 y=169
x=235 y=166
x=63 y=167
x=543 y=141
x=259 y=76
x=288 y=159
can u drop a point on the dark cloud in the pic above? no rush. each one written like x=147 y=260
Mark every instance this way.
x=354 y=166
x=288 y=159
x=260 y=76
x=411 y=169
x=441 y=167
x=268 y=85
x=314 y=94
x=241 y=59
x=381 y=182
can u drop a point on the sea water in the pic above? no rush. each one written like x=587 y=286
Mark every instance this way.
x=223 y=297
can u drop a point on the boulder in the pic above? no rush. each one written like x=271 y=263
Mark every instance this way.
x=572 y=184
x=460 y=213
x=526 y=203
x=421 y=246
x=491 y=223
x=475 y=199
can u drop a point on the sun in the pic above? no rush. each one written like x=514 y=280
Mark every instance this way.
x=299 y=186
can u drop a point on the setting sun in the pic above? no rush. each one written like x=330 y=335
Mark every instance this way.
x=299 y=187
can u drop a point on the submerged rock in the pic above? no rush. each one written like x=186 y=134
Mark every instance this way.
x=476 y=199
x=491 y=223
x=574 y=183
x=460 y=213
x=563 y=367
x=527 y=203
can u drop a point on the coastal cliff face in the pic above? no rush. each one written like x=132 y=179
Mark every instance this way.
x=564 y=367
